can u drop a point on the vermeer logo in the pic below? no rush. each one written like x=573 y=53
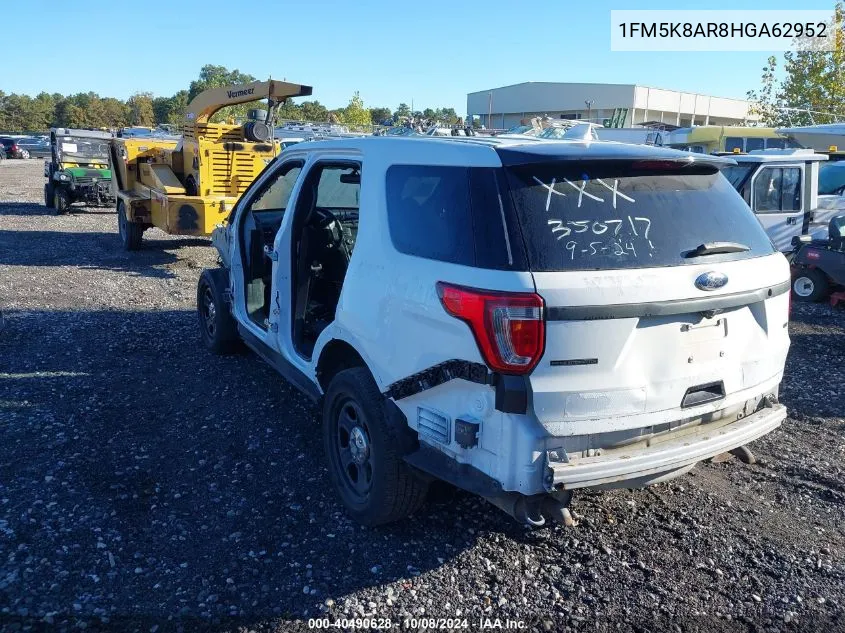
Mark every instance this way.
x=239 y=93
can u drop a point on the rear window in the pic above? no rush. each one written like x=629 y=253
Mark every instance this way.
x=452 y=214
x=623 y=214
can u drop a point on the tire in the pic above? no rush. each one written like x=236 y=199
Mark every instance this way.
x=61 y=202
x=810 y=285
x=218 y=329
x=48 y=195
x=24 y=154
x=130 y=232
x=375 y=485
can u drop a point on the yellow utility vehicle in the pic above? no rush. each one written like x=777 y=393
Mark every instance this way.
x=187 y=186
x=709 y=139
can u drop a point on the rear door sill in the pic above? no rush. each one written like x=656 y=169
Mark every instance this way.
x=278 y=362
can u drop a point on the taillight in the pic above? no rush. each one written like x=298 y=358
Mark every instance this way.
x=508 y=326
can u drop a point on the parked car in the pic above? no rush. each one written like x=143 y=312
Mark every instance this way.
x=521 y=320
x=35 y=147
x=13 y=149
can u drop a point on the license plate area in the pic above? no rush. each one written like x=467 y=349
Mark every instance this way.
x=706 y=330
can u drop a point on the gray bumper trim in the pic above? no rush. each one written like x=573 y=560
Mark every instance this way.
x=664 y=456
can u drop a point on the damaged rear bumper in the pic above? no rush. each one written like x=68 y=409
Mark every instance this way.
x=640 y=465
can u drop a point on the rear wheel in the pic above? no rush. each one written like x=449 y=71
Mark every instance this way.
x=218 y=329
x=809 y=285
x=130 y=232
x=369 y=474
x=61 y=202
x=48 y=195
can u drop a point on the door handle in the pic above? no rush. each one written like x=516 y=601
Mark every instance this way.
x=792 y=220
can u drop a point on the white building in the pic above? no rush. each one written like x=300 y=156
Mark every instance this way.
x=506 y=106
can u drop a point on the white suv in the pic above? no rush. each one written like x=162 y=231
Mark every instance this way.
x=519 y=319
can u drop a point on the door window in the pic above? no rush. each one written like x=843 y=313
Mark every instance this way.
x=790 y=199
x=276 y=192
x=777 y=190
x=732 y=143
x=339 y=188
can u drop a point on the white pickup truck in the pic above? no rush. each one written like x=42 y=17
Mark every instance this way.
x=782 y=188
x=519 y=319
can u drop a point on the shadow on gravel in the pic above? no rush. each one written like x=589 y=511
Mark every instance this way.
x=96 y=251
x=816 y=362
x=24 y=209
x=154 y=479
x=33 y=208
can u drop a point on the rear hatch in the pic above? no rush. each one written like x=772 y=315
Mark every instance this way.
x=664 y=298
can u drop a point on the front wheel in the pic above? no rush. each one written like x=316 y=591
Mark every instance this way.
x=48 y=195
x=369 y=474
x=810 y=285
x=218 y=328
x=61 y=201
x=130 y=232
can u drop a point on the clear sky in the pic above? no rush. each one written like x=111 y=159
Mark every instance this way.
x=432 y=52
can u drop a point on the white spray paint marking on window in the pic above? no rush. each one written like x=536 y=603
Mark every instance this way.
x=558 y=227
x=551 y=189
x=581 y=192
x=647 y=227
x=615 y=190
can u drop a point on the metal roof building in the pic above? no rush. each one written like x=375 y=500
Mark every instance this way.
x=631 y=104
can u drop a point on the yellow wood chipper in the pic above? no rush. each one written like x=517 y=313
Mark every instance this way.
x=188 y=186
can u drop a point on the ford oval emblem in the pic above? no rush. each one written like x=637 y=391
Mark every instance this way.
x=711 y=281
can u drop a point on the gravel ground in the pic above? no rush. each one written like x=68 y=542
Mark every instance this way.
x=146 y=485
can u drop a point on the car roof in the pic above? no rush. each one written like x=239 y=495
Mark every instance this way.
x=512 y=151
x=780 y=156
x=66 y=131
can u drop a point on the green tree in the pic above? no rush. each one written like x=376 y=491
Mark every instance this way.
x=355 y=113
x=141 y=109
x=3 y=126
x=18 y=112
x=380 y=115
x=212 y=76
x=171 y=110
x=448 y=115
x=68 y=114
x=314 y=111
x=402 y=111
x=813 y=88
x=115 y=113
x=43 y=112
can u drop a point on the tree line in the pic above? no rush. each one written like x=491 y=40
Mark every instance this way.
x=24 y=113
x=812 y=89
